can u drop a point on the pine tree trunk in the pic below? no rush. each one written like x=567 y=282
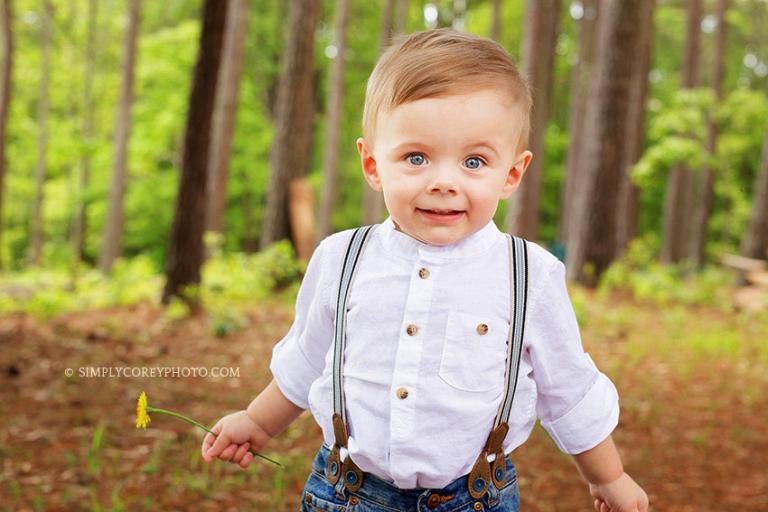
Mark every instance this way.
x=38 y=231
x=592 y=241
x=79 y=218
x=185 y=252
x=225 y=112
x=496 y=20
x=333 y=123
x=678 y=202
x=578 y=105
x=755 y=241
x=539 y=55
x=113 y=228
x=401 y=20
x=5 y=103
x=629 y=200
x=294 y=116
x=373 y=202
x=704 y=210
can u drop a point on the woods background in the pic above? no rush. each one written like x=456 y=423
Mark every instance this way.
x=167 y=168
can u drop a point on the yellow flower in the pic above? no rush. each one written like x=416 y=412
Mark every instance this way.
x=142 y=418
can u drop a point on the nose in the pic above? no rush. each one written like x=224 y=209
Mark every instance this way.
x=443 y=183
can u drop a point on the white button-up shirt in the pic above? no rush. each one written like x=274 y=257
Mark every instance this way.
x=453 y=374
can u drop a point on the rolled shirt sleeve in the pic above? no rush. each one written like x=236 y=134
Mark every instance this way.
x=576 y=403
x=298 y=359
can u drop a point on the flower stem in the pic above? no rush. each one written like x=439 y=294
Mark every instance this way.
x=193 y=422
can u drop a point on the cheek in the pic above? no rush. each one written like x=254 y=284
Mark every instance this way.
x=485 y=199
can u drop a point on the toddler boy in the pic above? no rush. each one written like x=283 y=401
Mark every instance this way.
x=426 y=398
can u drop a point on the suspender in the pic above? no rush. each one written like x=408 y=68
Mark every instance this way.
x=353 y=477
x=482 y=474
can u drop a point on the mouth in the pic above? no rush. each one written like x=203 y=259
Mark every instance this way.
x=441 y=214
x=439 y=211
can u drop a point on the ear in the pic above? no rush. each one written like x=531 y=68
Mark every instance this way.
x=368 y=163
x=515 y=174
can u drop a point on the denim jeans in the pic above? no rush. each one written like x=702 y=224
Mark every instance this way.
x=377 y=495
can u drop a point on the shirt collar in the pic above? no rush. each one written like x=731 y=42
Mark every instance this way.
x=405 y=245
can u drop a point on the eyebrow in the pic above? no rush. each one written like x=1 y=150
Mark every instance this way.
x=488 y=145
x=483 y=144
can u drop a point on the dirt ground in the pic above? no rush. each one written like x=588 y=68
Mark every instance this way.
x=696 y=441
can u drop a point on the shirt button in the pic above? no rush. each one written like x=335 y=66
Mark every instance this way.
x=411 y=330
x=482 y=329
x=423 y=273
x=402 y=393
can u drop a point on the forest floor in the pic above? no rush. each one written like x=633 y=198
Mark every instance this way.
x=693 y=384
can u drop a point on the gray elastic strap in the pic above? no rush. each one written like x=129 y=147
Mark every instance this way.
x=356 y=245
x=518 y=277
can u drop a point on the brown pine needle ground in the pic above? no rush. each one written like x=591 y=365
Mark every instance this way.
x=692 y=382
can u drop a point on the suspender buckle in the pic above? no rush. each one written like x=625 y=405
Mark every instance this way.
x=333 y=467
x=353 y=476
x=499 y=470
x=480 y=477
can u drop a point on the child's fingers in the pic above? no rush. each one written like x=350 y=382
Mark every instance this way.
x=228 y=452
x=246 y=460
x=208 y=441
x=219 y=444
x=241 y=451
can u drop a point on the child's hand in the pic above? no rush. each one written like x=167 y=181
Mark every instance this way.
x=235 y=435
x=621 y=495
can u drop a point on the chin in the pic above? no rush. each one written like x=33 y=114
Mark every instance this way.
x=443 y=240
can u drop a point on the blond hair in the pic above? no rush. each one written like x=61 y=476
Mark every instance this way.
x=442 y=62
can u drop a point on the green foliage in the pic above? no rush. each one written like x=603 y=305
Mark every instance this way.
x=640 y=273
x=167 y=48
x=47 y=292
x=95 y=450
x=230 y=281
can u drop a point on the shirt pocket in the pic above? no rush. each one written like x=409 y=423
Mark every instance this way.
x=474 y=352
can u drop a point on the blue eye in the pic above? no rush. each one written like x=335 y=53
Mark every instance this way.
x=416 y=159
x=471 y=162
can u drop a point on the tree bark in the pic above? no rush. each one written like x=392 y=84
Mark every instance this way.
x=704 y=210
x=333 y=120
x=387 y=26
x=294 y=113
x=755 y=241
x=38 y=231
x=373 y=202
x=629 y=201
x=578 y=105
x=225 y=112
x=678 y=202
x=5 y=103
x=592 y=241
x=113 y=228
x=539 y=56
x=79 y=219
x=496 y=20
x=185 y=253
x=401 y=21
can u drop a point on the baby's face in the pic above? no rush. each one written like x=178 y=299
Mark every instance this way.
x=444 y=163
